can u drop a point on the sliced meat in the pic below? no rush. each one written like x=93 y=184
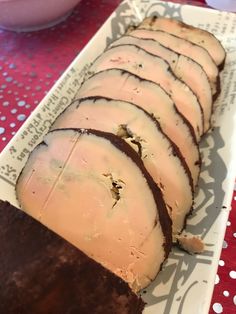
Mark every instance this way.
x=160 y=156
x=41 y=273
x=150 y=67
x=85 y=186
x=183 y=67
x=186 y=48
x=123 y=85
x=196 y=35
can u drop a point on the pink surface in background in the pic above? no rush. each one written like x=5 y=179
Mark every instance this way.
x=30 y=63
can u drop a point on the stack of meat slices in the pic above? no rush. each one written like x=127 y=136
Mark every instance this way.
x=117 y=173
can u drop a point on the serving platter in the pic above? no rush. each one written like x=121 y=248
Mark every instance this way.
x=186 y=282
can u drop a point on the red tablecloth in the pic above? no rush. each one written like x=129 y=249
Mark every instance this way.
x=30 y=63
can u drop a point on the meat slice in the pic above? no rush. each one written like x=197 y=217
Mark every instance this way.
x=196 y=35
x=160 y=156
x=150 y=67
x=85 y=186
x=186 y=48
x=123 y=85
x=183 y=67
x=41 y=273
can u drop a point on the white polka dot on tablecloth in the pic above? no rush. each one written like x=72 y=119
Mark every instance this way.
x=234 y=300
x=217 y=308
x=234 y=234
x=221 y=263
x=217 y=279
x=12 y=66
x=226 y=293
x=21 y=103
x=21 y=117
x=228 y=223
x=225 y=245
x=2 y=130
x=9 y=79
x=38 y=88
x=232 y=274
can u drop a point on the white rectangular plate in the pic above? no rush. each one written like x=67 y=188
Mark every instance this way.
x=186 y=283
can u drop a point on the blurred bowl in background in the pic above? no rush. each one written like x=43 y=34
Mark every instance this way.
x=226 y=5
x=28 y=15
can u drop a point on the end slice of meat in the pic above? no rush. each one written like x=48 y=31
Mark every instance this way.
x=85 y=186
x=186 y=48
x=122 y=85
x=136 y=60
x=159 y=154
x=196 y=35
x=41 y=273
x=183 y=67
